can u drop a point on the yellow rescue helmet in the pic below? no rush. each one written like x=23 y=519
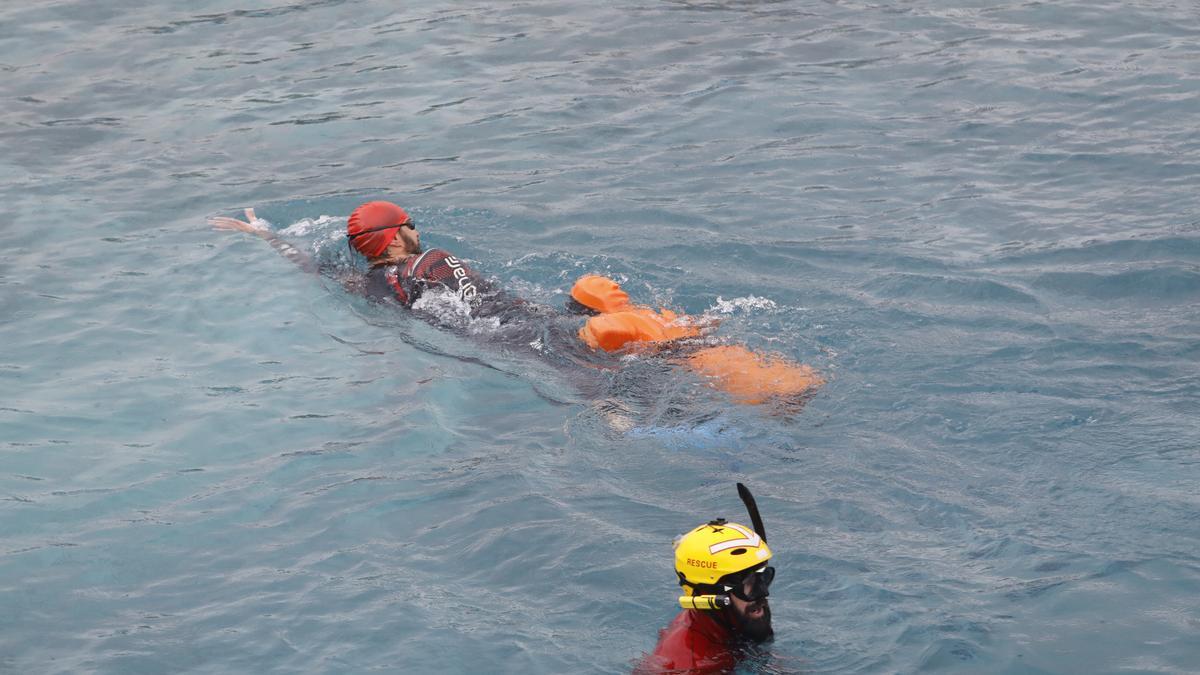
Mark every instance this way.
x=715 y=550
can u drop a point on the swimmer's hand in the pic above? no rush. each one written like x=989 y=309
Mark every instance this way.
x=259 y=227
x=255 y=225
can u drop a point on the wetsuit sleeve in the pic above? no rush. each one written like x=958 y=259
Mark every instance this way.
x=353 y=283
x=289 y=251
x=384 y=282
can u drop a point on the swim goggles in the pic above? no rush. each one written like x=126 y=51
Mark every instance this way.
x=758 y=581
x=408 y=223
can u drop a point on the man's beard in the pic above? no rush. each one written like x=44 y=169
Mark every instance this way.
x=756 y=630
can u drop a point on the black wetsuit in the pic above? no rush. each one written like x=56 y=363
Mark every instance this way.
x=408 y=280
x=515 y=323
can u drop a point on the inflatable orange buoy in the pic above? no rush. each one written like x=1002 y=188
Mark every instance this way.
x=600 y=294
x=752 y=378
x=620 y=322
x=749 y=377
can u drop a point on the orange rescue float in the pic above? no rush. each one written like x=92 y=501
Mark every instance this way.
x=748 y=377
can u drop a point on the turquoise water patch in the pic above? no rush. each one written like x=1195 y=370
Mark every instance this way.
x=977 y=223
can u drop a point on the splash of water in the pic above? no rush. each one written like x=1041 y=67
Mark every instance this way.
x=749 y=303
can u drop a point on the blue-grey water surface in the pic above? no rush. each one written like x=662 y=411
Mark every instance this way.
x=979 y=220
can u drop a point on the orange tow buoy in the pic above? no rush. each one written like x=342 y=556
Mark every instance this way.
x=747 y=376
x=753 y=378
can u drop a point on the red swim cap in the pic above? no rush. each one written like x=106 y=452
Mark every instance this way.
x=376 y=216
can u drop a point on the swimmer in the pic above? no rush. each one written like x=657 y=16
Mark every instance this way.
x=722 y=567
x=401 y=270
x=388 y=238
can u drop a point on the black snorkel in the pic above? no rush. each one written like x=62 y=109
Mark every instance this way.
x=756 y=634
x=710 y=601
x=752 y=509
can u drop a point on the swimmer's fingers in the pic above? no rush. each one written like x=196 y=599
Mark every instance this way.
x=250 y=217
x=226 y=223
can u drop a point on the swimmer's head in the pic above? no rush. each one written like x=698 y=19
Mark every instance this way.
x=723 y=567
x=718 y=552
x=373 y=227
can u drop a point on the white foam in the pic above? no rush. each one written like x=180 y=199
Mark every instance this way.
x=306 y=226
x=452 y=310
x=444 y=304
x=749 y=303
x=483 y=325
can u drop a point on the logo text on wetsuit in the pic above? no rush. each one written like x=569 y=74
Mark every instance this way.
x=466 y=287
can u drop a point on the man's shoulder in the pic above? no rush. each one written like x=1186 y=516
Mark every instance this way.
x=693 y=641
x=438 y=259
x=430 y=257
x=443 y=254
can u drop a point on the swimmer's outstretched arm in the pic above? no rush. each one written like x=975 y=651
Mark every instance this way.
x=255 y=227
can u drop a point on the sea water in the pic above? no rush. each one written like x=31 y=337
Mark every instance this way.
x=978 y=221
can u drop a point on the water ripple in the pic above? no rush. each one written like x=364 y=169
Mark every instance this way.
x=979 y=223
